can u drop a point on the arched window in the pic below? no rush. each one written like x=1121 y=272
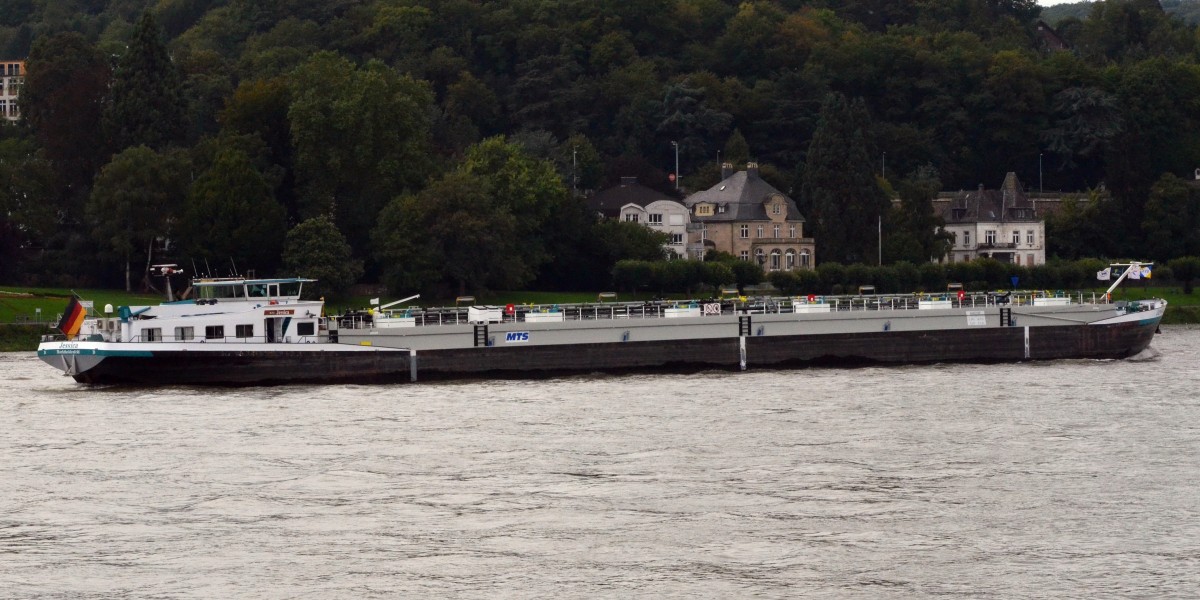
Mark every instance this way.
x=804 y=258
x=775 y=254
x=789 y=260
x=760 y=256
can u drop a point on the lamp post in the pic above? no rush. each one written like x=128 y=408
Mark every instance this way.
x=885 y=165
x=1040 y=190
x=676 y=146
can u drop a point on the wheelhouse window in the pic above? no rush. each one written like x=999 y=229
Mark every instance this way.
x=152 y=334
x=214 y=332
x=184 y=334
x=306 y=328
x=244 y=331
x=211 y=292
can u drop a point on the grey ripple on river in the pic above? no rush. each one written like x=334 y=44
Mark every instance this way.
x=1068 y=479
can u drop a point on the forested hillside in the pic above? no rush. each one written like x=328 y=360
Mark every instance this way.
x=1187 y=11
x=445 y=143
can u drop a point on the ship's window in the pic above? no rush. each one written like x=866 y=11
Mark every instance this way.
x=289 y=288
x=306 y=328
x=184 y=334
x=245 y=331
x=152 y=335
x=258 y=290
x=214 y=332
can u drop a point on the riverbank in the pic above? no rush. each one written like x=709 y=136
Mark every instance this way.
x=20 y=338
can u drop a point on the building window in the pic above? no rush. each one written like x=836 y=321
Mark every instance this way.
x=775 y=232
x=1029 y=238
x=776 y=208
x=152 y=335
x=745 y=231
x=704 y=210
x=721 y=209
x=989 y=237
x=775 y=254
x=676 y=239
x=760 y=230
x=1016 y=238
x=184 y=334
x=804 y=258
x=632 y=217
x=214 y=332
x=745 y=255
x=789 y=260
x=967 y=239
x=760 y=256
x=656 y=219
x=306 y=328
x=1029 y=260
x=792 y=231
x=245 y=331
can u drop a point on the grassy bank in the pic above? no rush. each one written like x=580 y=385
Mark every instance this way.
x=20 y=338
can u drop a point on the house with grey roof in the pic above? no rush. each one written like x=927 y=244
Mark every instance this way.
x=633 y=202
x=750 y=219
x=1004 y=224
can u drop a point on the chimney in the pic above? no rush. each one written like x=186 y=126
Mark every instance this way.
x=726 y=171
x=751 y=169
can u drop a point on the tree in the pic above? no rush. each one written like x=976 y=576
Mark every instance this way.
x=1185 y=269
x=361 y=137
x=840 y=192
x=62 y=100
x=317 y=250
x=914 y=233
x=231 y=215
x=1172 y=221
x=135 y=200
x=454 y=236
x=145 y=104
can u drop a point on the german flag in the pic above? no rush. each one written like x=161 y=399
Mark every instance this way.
x=72 y=318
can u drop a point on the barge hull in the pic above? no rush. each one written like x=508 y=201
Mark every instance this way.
x=999 y=344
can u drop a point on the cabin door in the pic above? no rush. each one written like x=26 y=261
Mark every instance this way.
x=274 y=329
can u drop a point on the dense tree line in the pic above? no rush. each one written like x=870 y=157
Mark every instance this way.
x=442 y=141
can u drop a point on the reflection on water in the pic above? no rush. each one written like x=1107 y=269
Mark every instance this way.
x=1050 y=480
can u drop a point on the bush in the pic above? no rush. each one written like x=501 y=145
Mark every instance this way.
x=933 y=277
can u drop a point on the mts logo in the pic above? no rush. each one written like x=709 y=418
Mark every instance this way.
x=516 y=336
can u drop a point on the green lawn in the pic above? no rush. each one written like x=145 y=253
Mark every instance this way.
x=19 y=301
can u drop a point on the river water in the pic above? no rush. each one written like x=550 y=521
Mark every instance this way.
x=1066 y=479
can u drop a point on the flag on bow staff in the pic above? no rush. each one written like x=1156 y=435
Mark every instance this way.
x=72 y=318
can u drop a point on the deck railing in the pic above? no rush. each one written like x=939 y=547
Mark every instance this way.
x=423 y=317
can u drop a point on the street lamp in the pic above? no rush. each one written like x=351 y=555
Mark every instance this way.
x=676 y=146
x=1040 y=190
x=885 y=165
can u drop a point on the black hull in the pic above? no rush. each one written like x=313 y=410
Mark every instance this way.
x=997 y=344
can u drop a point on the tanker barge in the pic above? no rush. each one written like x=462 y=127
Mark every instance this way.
x=260 y=332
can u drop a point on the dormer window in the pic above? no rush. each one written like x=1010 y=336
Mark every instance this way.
x=704 y=210
x=776 y=209
x=721 y=208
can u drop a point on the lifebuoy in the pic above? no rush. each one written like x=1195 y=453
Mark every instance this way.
x=812 y=298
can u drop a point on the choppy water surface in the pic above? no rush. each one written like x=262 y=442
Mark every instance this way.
x=1052 y=480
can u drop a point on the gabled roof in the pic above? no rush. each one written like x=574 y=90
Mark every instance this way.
x=608 y=202
x=1007 y=204
x=743 y=194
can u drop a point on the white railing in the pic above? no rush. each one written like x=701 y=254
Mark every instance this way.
x=698 y=308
